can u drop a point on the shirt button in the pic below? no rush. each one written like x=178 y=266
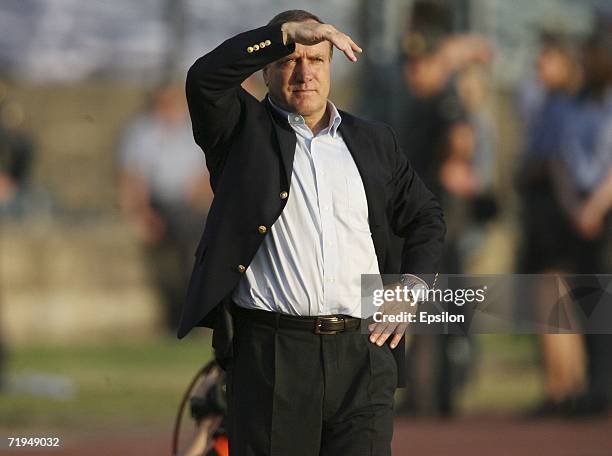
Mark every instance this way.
x=241 y=268
x=284 y=195
x=296 y=118
x=262 y=229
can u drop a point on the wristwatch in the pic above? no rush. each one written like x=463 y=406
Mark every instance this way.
x=417 y=287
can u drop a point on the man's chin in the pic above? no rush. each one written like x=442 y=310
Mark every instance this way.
x=306 y=108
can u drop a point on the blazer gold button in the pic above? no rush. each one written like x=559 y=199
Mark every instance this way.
x=262 y=45
x=256 y=47
x=250 y=49
x=284 y=195
x=262 y=229
x=241 y=268
x=268 y=42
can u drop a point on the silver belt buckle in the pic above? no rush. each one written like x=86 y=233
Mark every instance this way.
x=319 y=323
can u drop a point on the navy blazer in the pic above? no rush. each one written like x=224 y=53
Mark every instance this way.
x=249 y=152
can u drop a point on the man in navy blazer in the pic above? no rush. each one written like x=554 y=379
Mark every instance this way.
x=307 y=198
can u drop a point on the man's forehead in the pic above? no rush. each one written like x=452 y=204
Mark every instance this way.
x=319 y=49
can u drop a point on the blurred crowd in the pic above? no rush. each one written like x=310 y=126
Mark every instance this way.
x=564 y=181
x=16 y=153
x=442 y=112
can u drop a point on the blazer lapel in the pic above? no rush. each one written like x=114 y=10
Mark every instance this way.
x=358 y=147
x=285 y=136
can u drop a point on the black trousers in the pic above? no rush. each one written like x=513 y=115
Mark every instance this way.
x=295 y=393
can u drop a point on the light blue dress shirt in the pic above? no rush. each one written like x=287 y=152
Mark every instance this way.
x=144 y=151
x=586 y=145
x=311 y=261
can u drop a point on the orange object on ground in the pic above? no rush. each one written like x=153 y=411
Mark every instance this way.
x=221 y=446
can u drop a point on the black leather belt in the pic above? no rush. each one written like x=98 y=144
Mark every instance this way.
x=326 y=324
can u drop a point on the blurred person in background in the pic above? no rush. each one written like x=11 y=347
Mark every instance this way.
x=474 y=92
x=16 y=154
x=165 y=194
x=447 y=137
x=583 y=181
x=545 y=104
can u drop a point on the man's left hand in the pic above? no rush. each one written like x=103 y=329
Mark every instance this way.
x=381 y=331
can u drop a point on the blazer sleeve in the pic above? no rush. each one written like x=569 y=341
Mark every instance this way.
x=416 y=217
x=214 y=95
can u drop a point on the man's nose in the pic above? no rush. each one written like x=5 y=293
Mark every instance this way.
x=303 y=72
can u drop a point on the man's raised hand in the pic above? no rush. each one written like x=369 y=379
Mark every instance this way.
x=310 y=33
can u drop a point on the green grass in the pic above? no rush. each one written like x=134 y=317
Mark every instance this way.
x=139 y=385
x=507 y=376
x=116 y=384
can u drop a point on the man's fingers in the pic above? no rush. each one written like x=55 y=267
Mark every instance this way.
x=349 y=54
x=353 y=48
x=383 y=338
x=354 y=45
x=310 y=34
x=378 y=332
x=382 y=332
x=399 y=333
x=345 y=44
x=349 y=48
x=396 y=340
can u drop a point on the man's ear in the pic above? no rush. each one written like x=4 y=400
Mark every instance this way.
x=264 y=73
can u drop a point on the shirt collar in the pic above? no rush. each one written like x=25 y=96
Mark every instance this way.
x=295 y=119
